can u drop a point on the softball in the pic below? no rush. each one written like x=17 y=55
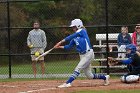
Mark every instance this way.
x=37 y=54
x=30 y=46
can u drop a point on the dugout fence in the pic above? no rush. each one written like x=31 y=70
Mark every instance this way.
x=98 y=18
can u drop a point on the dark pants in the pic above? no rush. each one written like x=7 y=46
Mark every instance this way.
x=134 y=72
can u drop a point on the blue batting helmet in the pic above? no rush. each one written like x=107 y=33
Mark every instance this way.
x=132 y=48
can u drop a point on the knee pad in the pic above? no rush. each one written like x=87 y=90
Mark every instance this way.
x=129 y=78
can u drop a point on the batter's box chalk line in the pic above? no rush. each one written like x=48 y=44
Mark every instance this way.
x=31 y=91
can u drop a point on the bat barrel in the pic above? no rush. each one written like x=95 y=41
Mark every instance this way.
x=47 y=52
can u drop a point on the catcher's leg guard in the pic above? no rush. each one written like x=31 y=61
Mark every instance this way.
x=129 y=78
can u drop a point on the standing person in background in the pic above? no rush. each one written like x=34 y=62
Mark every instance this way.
x=136 y=37
x=123 y=39
x=81 y=40
x=37 y=43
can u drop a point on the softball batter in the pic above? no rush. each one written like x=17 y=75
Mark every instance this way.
x=81 y=40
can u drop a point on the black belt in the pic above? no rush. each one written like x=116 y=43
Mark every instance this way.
x=81 y=53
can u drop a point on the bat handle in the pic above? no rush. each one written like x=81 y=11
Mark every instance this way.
x=36 y=59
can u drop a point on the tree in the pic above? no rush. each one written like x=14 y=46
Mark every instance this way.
x=124 y=11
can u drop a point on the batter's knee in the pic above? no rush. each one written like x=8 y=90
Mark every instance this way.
x=89 y=76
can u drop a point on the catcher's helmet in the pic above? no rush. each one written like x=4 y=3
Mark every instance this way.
x=76 y=22
x=132 y=48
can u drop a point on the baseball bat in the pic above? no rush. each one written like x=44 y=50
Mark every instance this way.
x=44 y=54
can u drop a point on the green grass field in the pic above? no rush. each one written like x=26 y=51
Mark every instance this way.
x=50 y=67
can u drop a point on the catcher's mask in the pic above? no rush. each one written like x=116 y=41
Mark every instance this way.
x=132 y=48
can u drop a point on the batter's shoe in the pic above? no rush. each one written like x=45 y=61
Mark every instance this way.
x=106 y=82
x=65 y=85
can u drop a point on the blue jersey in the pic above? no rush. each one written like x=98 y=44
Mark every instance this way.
x=123 y=40
x=80 y=39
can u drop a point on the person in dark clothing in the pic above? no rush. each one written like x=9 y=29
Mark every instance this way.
x=123 y=39
x=133 y=64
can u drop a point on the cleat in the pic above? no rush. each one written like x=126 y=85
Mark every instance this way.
x=106 y=82
x=64 y=85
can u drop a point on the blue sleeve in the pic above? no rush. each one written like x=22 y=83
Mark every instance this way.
x=70 y=37
x=130 y=40
x=128 y=61
x=70 y=45
x=119 y=40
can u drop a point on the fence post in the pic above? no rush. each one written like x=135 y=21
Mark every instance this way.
x=106 y=28
x=9 y=28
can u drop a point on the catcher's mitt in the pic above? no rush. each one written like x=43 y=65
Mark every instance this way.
x=112 y=61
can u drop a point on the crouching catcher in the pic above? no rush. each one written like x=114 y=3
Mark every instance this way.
x=132 y=62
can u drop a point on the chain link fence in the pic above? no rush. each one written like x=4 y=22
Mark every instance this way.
x=55 y=17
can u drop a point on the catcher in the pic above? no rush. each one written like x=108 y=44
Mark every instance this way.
x=133 y=64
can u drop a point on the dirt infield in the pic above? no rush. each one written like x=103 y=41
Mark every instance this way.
x=50 y=86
